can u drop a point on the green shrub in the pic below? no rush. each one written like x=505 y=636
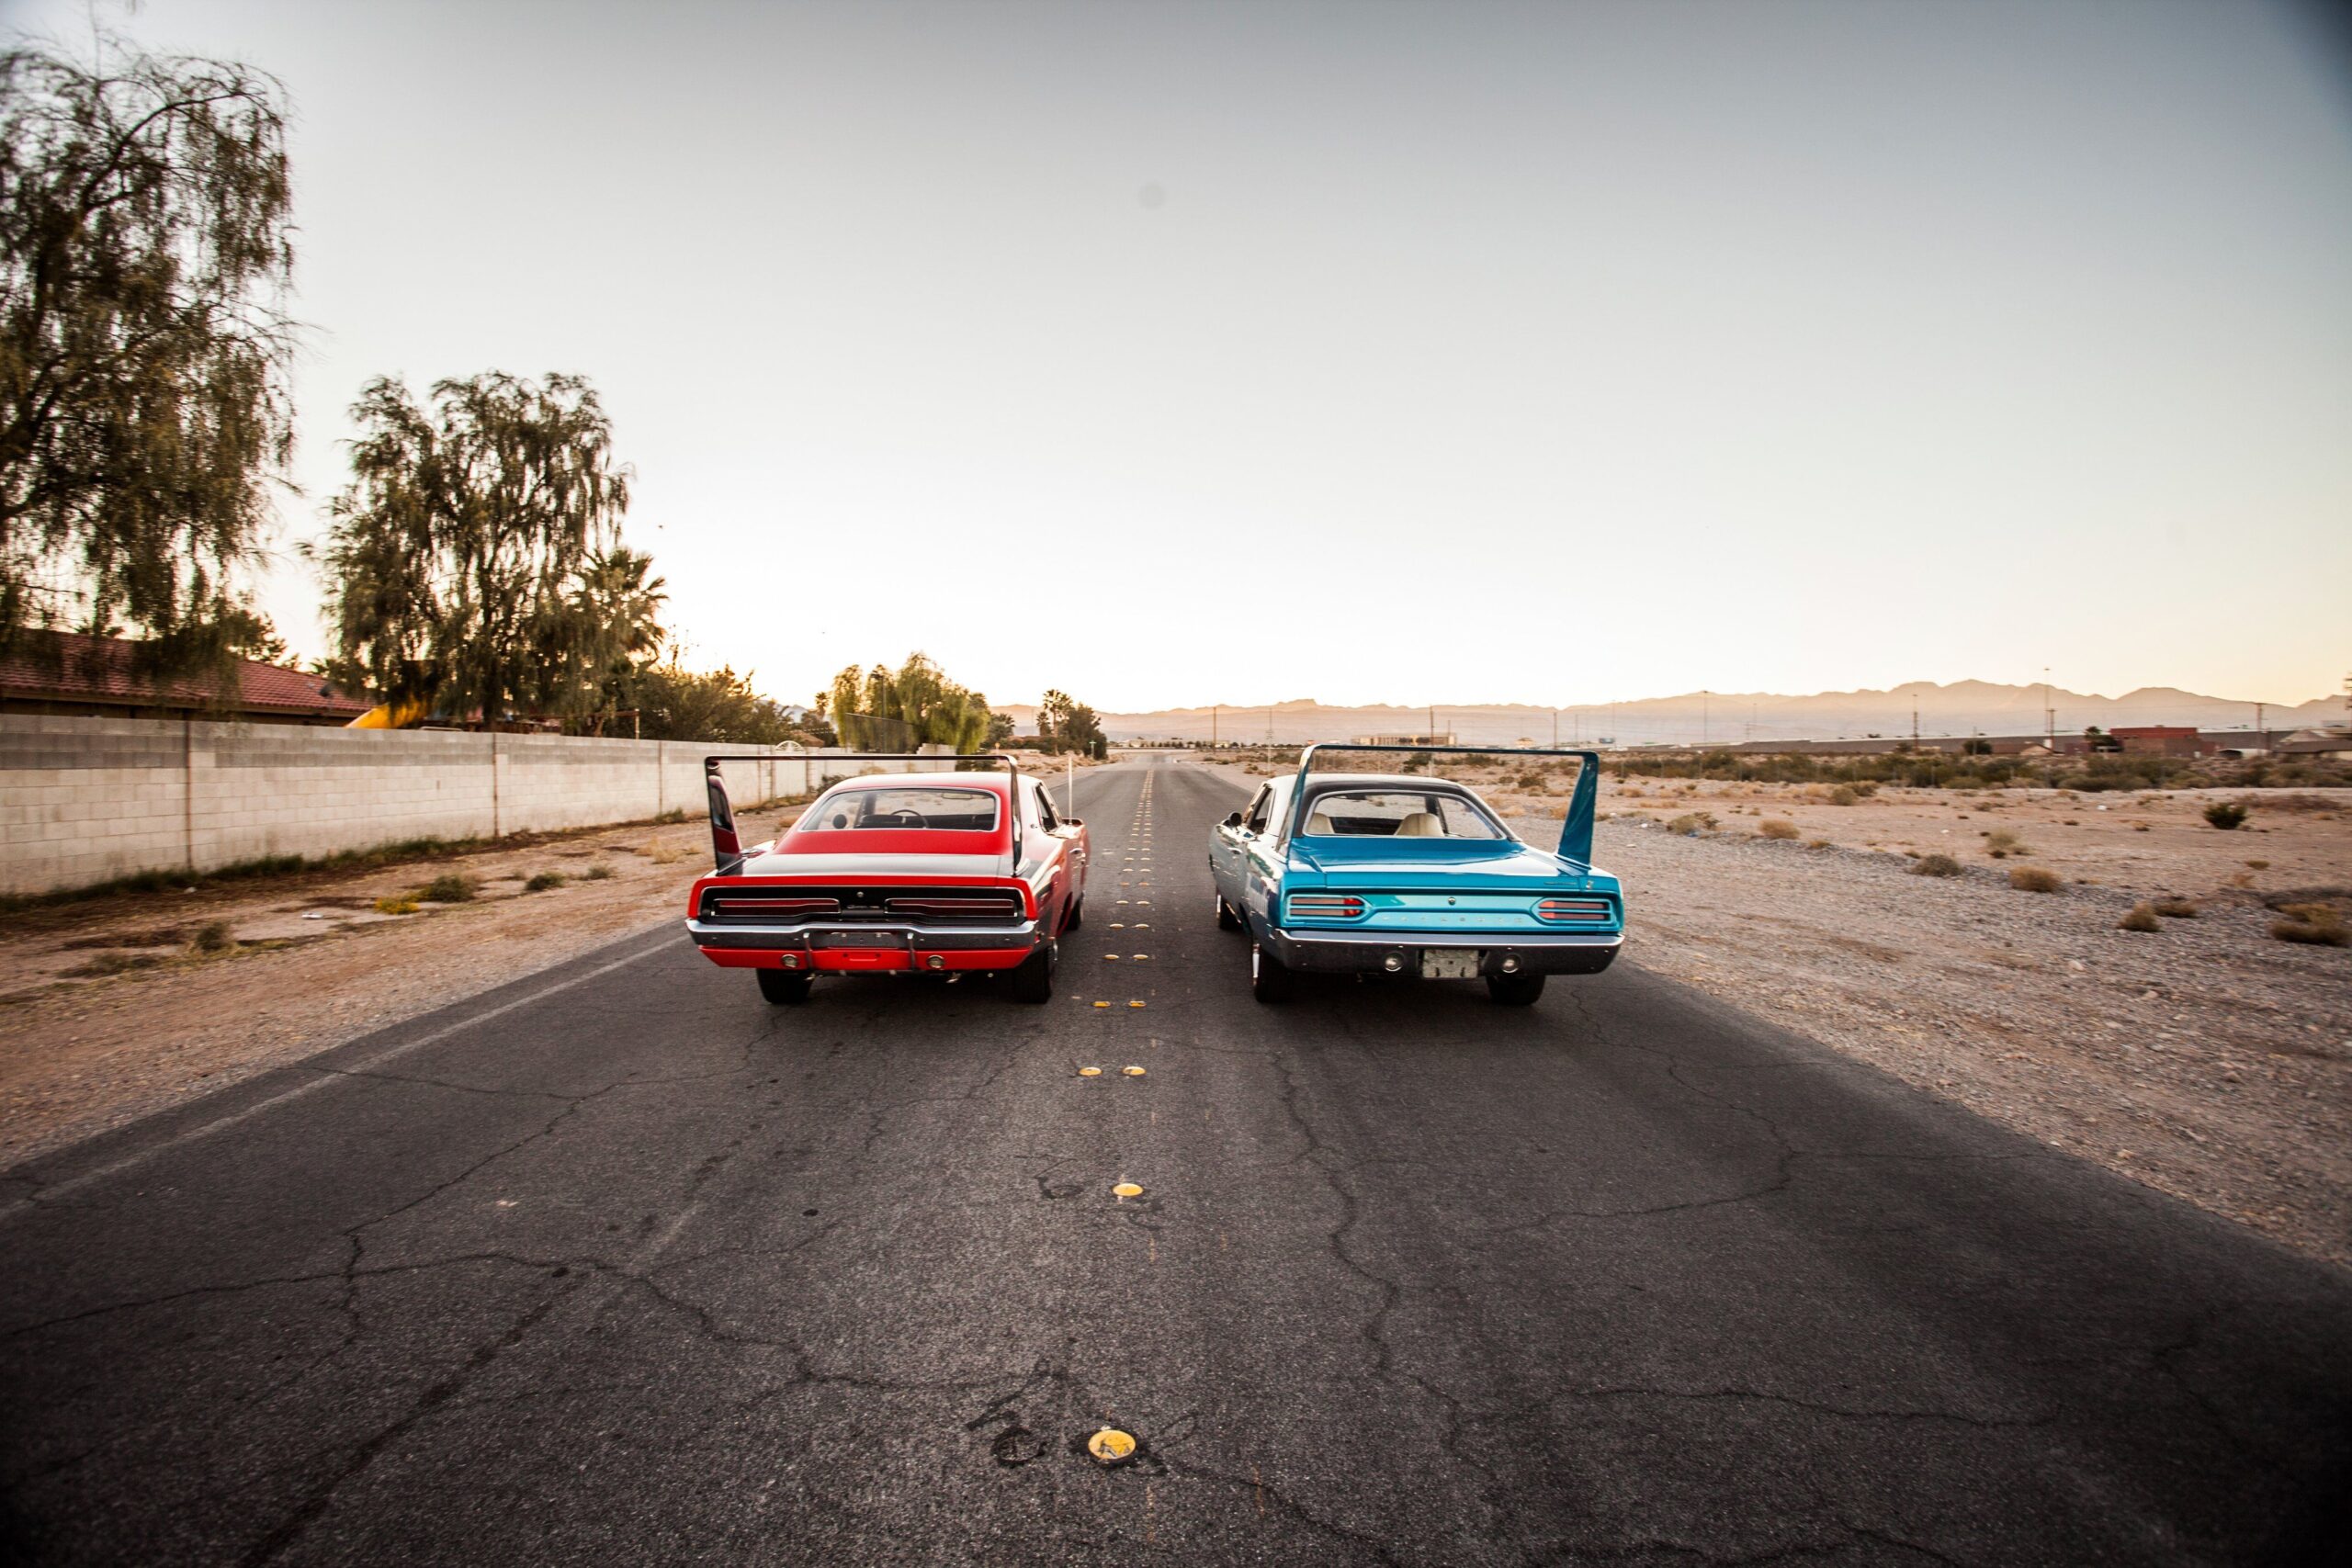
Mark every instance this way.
x=1691 y=824
x=449 y=887
x=2001 y=843
x=1844 y=795
x=213 y=937
x=544 y=881
x=396 y=905
x=1775 y=828
x=598 y=872
x=2225 y=815
x=1936 y=865
x=2033 y=879
x=2140 y=918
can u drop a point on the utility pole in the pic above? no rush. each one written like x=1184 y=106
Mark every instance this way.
x=1432 y=735
x=2048 y=713
x=1702 y=717
x=1212 y=712
x=1555 y=729
x=2261 y=736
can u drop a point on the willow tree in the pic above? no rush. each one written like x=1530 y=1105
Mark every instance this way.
x=915 y=705
x=144 y=413
x=457 y=558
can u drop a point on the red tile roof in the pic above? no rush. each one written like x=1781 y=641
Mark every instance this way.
x=103 y=669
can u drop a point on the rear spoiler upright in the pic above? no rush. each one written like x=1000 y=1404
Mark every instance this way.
x=727 y=848
x=1575 y=833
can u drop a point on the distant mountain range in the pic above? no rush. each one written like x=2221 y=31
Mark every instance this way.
x=1965 y=707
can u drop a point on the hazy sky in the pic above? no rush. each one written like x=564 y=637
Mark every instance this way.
x=1557 y=354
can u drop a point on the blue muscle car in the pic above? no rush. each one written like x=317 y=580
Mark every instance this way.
x=1394 y=873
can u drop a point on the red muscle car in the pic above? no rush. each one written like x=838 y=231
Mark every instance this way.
x=896 y=873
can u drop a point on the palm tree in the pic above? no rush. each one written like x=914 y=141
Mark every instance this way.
x=619 y=603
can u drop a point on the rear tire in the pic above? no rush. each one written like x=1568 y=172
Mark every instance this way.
x=1515 y=990
x=785 y=987
x=1270 y=979
x=1034 y=981
x=1226 y=920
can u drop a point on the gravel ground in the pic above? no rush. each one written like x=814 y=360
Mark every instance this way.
x=2206 y=1059
x=81 y=1055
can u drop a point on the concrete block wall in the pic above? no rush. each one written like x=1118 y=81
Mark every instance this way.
x=85 y=800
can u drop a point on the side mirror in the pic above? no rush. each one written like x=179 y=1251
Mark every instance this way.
x=1232 y=821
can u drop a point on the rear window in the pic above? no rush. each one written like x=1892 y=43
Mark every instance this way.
x=954 y=810
x=1397 y=814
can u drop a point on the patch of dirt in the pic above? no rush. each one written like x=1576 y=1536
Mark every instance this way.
x=2206 y=1059
x=108 y=1013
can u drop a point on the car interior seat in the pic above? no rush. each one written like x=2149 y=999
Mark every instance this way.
x=1320 y=822
x=1420 y=825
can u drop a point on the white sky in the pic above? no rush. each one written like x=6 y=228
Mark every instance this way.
x=1179 y=354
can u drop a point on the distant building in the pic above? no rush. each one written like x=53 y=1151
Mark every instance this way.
x=2161 y=740
x=1445 y=740
x=65 y=673
x=2306 y=743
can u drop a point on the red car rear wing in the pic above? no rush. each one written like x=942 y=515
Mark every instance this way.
x=1575 y=829
x=727 y=848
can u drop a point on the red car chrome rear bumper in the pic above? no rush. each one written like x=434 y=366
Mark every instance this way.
x=868 y=960
x=866 y=949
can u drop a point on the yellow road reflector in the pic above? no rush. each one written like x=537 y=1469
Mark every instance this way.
x=1142 y=925
x=1101 y=1004
x=1132 y=1072
x=1110 y=958
x=1118 y=925
x=1127 y=1190
x=1141 y=956
x=1089 y=1072
x=1134 y=1004
x=1111 y=1446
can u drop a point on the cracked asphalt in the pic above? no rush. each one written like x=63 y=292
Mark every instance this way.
x=621 y=1264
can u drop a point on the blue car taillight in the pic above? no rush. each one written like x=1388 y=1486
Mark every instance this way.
x=1573 y=911
x=1325 y=906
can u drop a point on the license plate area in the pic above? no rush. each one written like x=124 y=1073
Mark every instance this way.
x=859 y=939
x=1449 y=962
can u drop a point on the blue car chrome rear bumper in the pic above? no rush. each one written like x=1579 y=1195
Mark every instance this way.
x=1538 y=953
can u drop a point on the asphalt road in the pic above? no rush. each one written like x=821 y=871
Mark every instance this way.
x=620 y=1265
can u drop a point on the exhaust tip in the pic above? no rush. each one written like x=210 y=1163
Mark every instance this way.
x=1510 y=965
x=1392 y=964
x=934 y=961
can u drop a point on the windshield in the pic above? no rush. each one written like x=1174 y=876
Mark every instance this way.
x=1398 y=814
x=962 y=810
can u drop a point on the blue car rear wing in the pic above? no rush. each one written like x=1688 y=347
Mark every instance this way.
x=727 y=848
x=1575 y=833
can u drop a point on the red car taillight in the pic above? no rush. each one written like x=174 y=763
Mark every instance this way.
x=1325 y=906
x=1582 y=911
x=777 y=907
